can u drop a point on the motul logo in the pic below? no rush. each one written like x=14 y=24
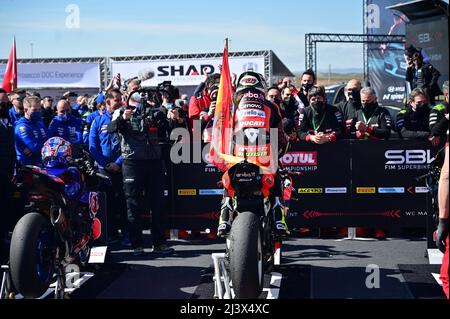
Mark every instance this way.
x=300 y=159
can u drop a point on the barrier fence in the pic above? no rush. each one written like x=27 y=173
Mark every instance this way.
x=347 y=183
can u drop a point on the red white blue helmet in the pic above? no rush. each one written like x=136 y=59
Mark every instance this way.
x=56 y=152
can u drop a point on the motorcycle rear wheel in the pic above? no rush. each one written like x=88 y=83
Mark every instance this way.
x=246 y=256
x=32 y=255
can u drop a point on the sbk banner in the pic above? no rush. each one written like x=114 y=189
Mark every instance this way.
x=347 y=183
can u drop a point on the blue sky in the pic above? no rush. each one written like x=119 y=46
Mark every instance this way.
x=138 y=27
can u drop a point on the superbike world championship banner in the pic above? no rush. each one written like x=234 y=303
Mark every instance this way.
x=56 y=75
x=347 y=183
x=386 y=62
x=184 y=72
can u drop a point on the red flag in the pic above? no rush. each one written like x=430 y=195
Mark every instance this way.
x=220 y=150
x=10 y=78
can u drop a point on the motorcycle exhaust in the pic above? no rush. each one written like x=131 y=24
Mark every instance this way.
x=58 y=219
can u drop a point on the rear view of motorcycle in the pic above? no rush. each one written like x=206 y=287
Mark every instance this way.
x=252 y=242
x=60 y=224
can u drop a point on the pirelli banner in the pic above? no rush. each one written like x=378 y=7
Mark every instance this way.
x=348 y=183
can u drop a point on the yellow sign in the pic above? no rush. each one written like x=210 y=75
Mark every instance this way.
x=187 y=192
x=366 y=190
x=310 y=190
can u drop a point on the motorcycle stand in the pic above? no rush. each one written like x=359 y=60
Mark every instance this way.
x=221 y=278
x=60 y=283
x=6 y=292
x=352 y=236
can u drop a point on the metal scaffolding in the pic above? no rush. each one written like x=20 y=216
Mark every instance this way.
x=273 y=67
x=268 y=58
x=311 y=40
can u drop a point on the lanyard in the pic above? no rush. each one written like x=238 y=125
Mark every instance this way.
x=316 y=127
x=365 y=119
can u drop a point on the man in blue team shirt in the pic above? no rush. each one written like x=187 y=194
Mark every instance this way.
x=105 y=149
x=66 y=125
x=30 y=133
x=16 y=111
x=99 y=103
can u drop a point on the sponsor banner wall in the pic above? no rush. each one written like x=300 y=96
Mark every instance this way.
x=56 y=75
x=184 y=72
x=347 y=183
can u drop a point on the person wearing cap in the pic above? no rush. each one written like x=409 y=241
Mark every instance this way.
x=319 y=122
x=99 y=104
x=16 y=111
x=48 y=111
x=65 y=125
x=255 y=116
x=71 y=98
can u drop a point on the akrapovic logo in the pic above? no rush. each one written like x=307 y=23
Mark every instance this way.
x=408 y=159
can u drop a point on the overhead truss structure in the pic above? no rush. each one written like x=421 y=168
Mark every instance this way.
x=311 y=40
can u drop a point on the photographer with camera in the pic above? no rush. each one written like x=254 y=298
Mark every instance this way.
x=138 y=124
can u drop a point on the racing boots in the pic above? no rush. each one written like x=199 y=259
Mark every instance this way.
x=281 y=228
x=226 y=214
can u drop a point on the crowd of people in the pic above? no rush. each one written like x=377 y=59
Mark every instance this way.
x=127 y=148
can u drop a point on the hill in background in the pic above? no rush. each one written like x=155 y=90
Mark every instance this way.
x=332 y=78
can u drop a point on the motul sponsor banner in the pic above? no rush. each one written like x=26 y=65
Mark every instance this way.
x=184 y=72
x=56 y=75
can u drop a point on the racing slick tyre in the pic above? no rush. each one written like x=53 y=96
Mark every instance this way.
x=245 y=256
x=32 y=255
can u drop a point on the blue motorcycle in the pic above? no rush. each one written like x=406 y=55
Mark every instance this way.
x=60 y=223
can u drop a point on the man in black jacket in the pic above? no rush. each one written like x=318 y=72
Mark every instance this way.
x=319 y=122
x=413 y=121
x=142 y=169
x=371 y=122
x=7 y=160
x=351 y=104
x=423 y=75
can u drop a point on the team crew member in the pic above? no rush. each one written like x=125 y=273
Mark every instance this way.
x=320 y=122
x=30 y=133
x=105 y=149
x=372 y=122
x=66 y=125
x=7 y=160
x=413 y=122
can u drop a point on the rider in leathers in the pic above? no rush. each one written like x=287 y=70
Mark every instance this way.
x=254 y=116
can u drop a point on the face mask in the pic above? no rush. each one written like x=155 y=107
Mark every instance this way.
x=168 y=106
x=307 y=86
x=35 y=116
x=287 y=100
x=355 y=96
x=3 y=110
x=369 y=106
x=318 y=105
x=63 y=117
